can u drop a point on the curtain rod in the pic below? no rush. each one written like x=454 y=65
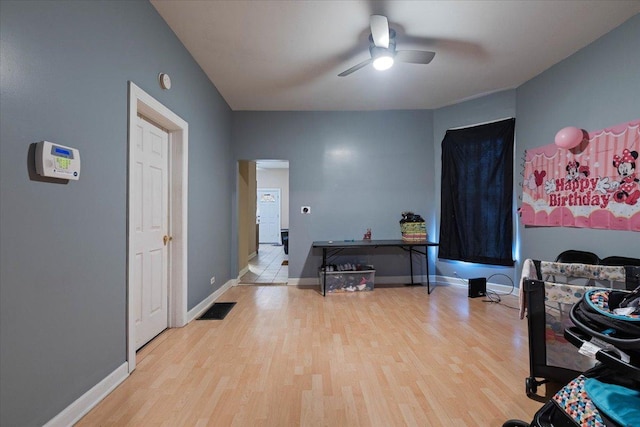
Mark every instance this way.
x=480 y=124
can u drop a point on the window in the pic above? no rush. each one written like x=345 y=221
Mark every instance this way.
x=476 y=218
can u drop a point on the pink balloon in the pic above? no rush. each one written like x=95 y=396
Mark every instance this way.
x=569 y=137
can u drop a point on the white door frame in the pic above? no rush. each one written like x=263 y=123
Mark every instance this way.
x=144 y=104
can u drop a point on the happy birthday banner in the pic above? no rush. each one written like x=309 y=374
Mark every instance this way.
x=594 y=185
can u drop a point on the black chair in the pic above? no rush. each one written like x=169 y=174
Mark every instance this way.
x=632 y=269
x=620 y=261
x=581 y=257
x=284 y=235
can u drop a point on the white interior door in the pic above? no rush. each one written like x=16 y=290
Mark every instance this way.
x=150 y=234
x=269 y=214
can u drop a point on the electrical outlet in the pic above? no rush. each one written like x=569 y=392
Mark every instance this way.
x=213 y=280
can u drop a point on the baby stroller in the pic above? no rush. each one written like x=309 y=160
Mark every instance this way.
x=607 y=327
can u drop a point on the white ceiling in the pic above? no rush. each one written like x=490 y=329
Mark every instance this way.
x=286 y=55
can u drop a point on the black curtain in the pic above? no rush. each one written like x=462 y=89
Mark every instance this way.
x=476 y=218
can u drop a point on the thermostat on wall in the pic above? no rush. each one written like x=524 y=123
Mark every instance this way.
x=57 y=161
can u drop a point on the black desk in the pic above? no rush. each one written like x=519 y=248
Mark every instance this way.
x=335 y=246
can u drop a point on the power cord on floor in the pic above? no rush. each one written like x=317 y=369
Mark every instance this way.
x=494 y=297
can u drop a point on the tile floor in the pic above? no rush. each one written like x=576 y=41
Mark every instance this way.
x=266 y=267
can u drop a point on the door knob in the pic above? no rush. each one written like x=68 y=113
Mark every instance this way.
x=167 y=239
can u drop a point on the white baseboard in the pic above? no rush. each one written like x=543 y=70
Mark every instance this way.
x=455 y=281
x=199 y=309
x=72 y=413
x=503 y=288
x=244 y=271
x=302 y=281
x=393 y=280
x=252 y=255
x=254 y=283
x=458 y=281
x=396 y=280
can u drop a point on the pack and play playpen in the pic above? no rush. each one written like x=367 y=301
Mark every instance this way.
x=578 y=337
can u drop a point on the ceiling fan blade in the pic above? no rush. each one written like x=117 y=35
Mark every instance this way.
x=380 y=30
x=415 y=56
x=356 y=67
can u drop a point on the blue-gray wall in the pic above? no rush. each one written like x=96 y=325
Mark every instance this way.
x=595 y=88
x=64 y=68
x=356 y=170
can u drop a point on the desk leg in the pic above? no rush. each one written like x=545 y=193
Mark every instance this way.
x=411 y=263
x=426 y=258
x=323 y=285
x=413 y=283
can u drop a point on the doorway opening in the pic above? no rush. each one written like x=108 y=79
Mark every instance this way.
x=263 y=222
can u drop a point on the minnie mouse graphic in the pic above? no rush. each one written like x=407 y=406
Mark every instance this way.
x=574 y=170
x=626 y=191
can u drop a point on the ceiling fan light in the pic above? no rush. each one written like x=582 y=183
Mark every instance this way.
x=383 y=62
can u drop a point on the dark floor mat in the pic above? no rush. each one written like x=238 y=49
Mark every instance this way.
x=217 y=311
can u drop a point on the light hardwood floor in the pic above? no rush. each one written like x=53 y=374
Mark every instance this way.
x=286 y=356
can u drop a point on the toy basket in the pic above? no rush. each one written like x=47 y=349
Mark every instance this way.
x=413 y=231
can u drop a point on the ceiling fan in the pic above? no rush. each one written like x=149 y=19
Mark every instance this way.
x=382 y=47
